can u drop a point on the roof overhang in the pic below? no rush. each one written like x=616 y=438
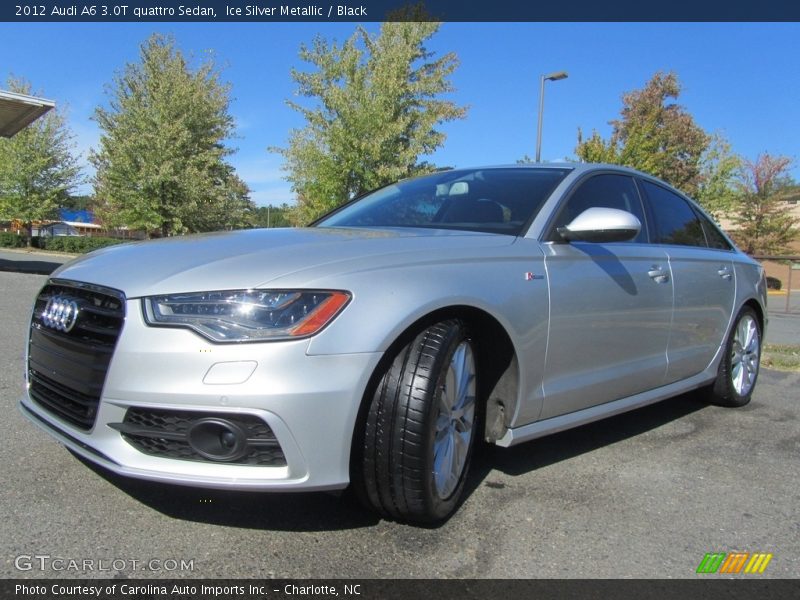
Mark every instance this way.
x=17 y=111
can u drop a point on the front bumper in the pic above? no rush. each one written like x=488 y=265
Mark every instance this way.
x=309 y=402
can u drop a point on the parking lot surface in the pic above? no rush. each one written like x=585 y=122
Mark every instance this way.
x=646 y=495
x=23 y=260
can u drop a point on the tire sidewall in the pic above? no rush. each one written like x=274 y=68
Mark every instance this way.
x=439 y=507
x=724 y=391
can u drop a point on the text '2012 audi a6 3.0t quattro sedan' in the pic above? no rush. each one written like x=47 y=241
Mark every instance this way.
x=375 y=347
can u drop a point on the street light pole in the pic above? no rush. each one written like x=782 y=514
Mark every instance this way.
x=550 y=77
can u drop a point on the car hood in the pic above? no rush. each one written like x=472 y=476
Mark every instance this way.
x=260 y=257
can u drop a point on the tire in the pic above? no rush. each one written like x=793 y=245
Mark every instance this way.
x=738 y=371
x=418 y=434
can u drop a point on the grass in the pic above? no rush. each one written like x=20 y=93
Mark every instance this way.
x=782 y=358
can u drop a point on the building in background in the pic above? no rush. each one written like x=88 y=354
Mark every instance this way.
x=17 y=111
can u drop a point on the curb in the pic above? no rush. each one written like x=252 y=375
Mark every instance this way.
x=37 y=252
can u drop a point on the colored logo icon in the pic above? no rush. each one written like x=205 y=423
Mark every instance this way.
x=734 y=562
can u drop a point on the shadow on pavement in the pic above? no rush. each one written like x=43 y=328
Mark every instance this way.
x=565 y=445
x=330 y=512
x=291 y=511
x=36 y=267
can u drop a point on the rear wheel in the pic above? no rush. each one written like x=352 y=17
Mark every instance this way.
x=738 y=370
x=420 y=427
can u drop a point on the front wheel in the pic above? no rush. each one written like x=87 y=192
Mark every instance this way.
x=738 y=370
x=420 y=427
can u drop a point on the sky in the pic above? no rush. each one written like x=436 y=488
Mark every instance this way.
x=741 y=80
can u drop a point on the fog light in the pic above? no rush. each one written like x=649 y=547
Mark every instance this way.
x=228 y=439
x=217 y=439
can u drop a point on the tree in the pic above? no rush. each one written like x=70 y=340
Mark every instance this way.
x=658 y=136
x=719 y=169
x=161 y=162
x=229 y=208
x=37 y=167
x=762 y=223
x=79 y=202
x=273 y=216
x=376 y=110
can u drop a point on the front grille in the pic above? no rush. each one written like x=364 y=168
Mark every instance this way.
x=67 y=369
x=79 y=409
x=164 y=433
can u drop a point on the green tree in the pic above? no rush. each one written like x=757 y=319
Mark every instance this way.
x=719 y=171
x=229 y=207
x=657 y=135
x=597 y=150
x=79 y=202
x=375 y=111
x=273 y=216
x=761 y=218
x=161 y=161
x=37 y=166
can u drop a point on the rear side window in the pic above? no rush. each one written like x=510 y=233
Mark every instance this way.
x=674 y=221
x=714 y=237
x=603 y=191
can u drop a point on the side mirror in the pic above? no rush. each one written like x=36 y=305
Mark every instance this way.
x=602 y=225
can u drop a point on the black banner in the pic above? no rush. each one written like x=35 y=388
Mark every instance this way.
x=381 y=10
x=405 y=589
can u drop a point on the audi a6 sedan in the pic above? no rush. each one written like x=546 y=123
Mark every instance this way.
x=376 y=347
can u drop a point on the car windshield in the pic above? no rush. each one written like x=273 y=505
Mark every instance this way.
x=497 y=200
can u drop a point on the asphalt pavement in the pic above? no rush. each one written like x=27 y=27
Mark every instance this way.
x=20 y=260
x=783 y=328
x=642 y=495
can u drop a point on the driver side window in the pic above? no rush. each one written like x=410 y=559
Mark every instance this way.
x=602 y=191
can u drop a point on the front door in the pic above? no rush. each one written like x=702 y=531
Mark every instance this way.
x=609 y=323
x=611 y=307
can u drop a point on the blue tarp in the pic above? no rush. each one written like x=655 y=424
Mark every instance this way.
x=76 y=216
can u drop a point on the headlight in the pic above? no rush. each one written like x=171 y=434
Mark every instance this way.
x=247 y=315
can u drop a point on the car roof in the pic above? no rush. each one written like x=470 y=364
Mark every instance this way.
x=576 y=170
x=578 y=167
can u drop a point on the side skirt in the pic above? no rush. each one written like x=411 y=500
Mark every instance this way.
x=539 y=429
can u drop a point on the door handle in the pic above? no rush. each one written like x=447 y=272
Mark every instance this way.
x=725 y=272
x=658 y=274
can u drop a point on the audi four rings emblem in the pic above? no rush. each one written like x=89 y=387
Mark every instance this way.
x=60 y=313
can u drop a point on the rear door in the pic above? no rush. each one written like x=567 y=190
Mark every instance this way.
x=701 y=262
x=611 y=305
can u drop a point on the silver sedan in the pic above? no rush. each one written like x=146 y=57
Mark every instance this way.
x=376 y=347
